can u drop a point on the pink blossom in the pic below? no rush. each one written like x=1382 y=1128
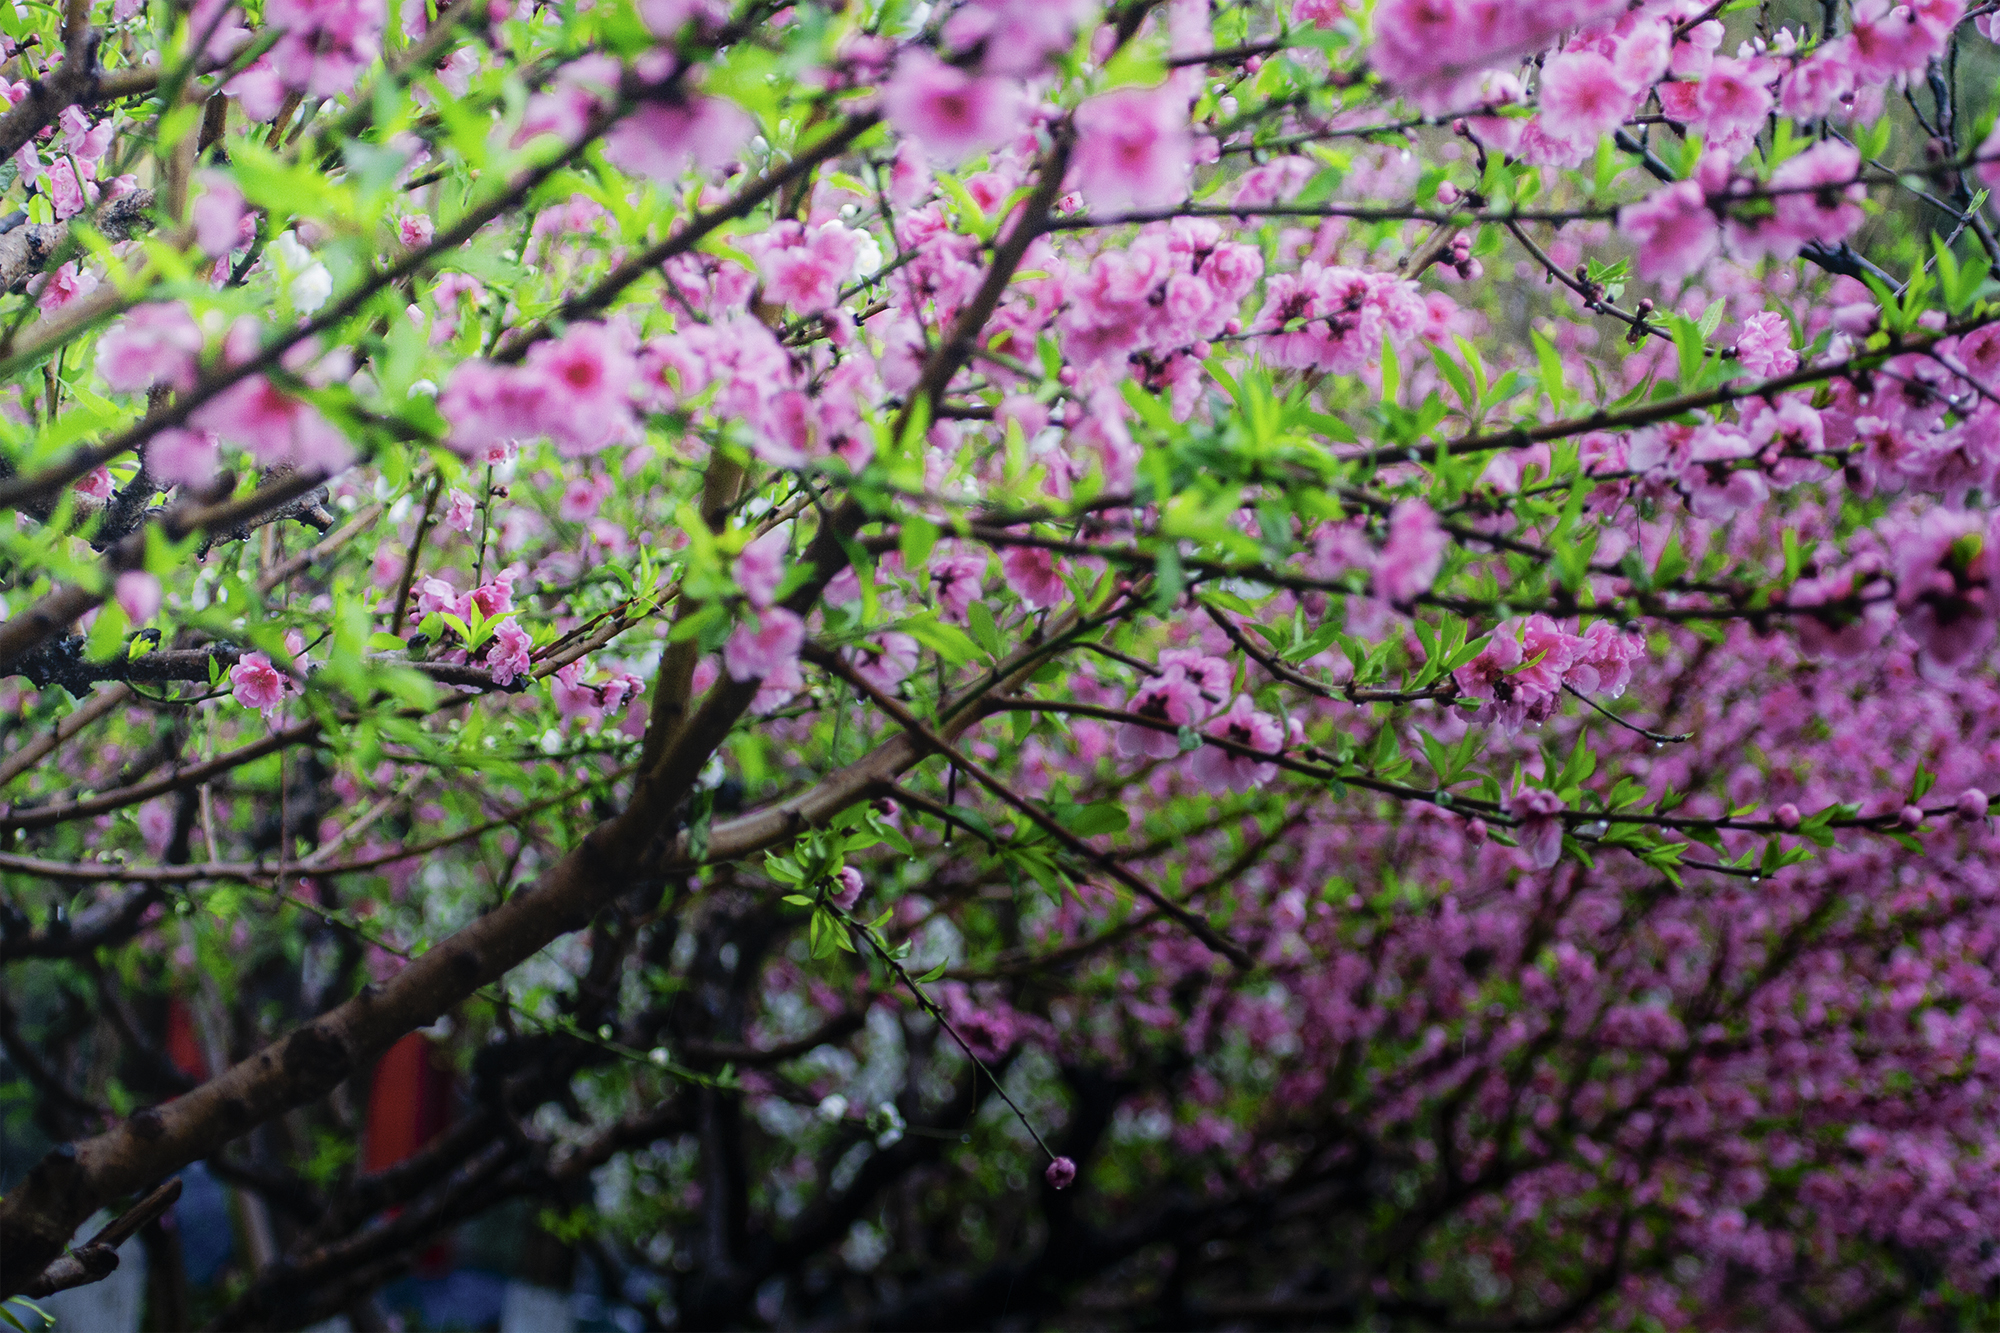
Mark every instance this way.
x=950 y=114
x=138 y=594
x=55 y=290
x=660 y=140
x=1218 y=769
x=183 y=457
x=156 y=825
x=761 y=567
x=1133 y=149
x=1602 y=660
x=770 y=647
x=1674 y=229
x=1412 y=554
x=1764 y=347
x=1820 y=199
x=960 y=581
x=274 y=426
x=885 y=661
x=153 y=344
x=461 y=511
x=1519 y=673
x=1034 y=575
x=416 y=231
x=218 y=215
x=326 y=43
x=1945 y=579
x=95 y=483
x=1061 y=1173
x=582 y=497
x=257 y=684
x=585 y=381
x=508 y=658
x=849 y=892
x=1541 y=830
x=1583 y=96
x=1171 y=698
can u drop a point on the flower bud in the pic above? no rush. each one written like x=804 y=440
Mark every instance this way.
x=1972 y=804
x=1475 y=831
x=849 y=892
x=1909 y=818
x=1061 y=1173
x=1786 y=816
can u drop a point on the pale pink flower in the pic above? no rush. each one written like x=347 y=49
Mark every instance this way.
x=218 y=215
x=1034 y=575
x=1541 y=831
x=416 y=231
x=138 y=593
x=772 y=646
x=183 y=457
x=947 y=112
x=761 y=567
x=1133 y=148
x=461 y=511
x=1764 y=347
x=154 y=344
x=156 y=825
x=257 y=684
x=849 y=892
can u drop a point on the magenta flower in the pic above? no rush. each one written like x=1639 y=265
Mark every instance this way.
x=950 y=114
x=257 y=684
x=772 y=646
x=1541 y=831
x=1133 y=149
x=1412 y=554
x=1061 y=1173
x=1582 y=96
x=1171 y=698
x=886 y=660
x=1945 y=584
x=1034 y=575
x=960 y=579
x=660 y=140
x=1218 y=769
x=508 y=657
x=1674 y=229
x=1520 y=672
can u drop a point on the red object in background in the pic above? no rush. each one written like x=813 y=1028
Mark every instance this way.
x=409 y=1104
x=183 y=1045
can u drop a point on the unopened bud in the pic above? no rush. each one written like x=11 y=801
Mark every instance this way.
x=1972 y=804
x=1786 y=816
